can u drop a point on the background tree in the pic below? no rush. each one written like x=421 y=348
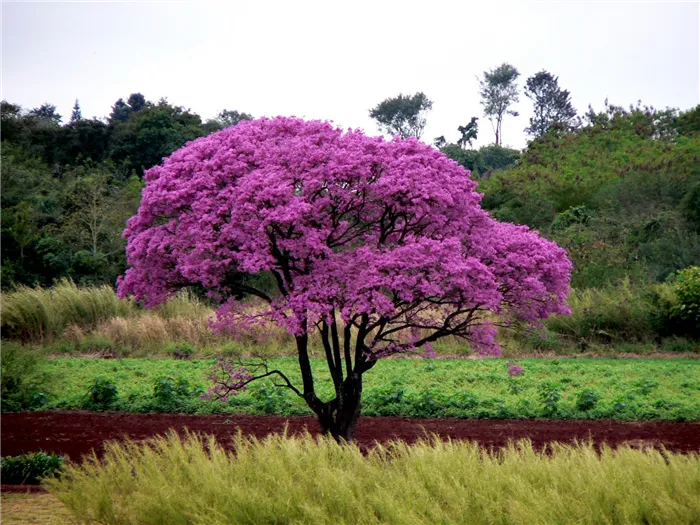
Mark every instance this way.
x=499 y=90
x=122 y=111
x=440 y=142
x=76 y=114
x=22 y=227
x=225 y=119
x=47 y=113
x=552 y=105
x=468 y=133
x=403 y=116
x=12 y=125
x=151 y=132
x=379 y=247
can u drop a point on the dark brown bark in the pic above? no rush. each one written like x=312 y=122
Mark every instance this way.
x=340 y=418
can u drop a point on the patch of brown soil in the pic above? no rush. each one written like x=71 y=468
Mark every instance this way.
x=77 y=433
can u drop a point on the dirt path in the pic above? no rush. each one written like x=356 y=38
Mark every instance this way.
x=77 y=433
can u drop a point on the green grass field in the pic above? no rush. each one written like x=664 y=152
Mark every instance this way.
x=630 y=389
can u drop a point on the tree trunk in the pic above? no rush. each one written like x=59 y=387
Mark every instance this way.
x=340 y=420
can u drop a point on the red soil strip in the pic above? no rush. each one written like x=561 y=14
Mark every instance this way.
x=77 y=433
x=22 y=489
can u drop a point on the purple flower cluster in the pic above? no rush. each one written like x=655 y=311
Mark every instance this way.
x=514 y=370
x=390 y=231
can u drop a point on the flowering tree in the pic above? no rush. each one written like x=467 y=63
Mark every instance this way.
x=381 y=247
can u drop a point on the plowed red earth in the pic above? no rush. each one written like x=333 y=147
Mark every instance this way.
x=77 y=433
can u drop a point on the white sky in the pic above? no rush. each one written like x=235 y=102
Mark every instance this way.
x=334 y=61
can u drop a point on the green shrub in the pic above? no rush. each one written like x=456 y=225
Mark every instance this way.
x=384 y=401
x=181 y=351
x=687 y=288
x=101 y=394
x=550 y=395
x=171 y=393
x=270 y=399
x=24 y=381
x=587 y=399
x=574 y=215
x=30 y=469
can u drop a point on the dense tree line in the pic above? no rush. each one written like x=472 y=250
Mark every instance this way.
x=68 y=188
x=620 y=188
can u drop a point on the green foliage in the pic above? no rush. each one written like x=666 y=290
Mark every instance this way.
x=688 y=122
x=151 y=133
x=285 y=479
x=587 y=399
x=687 y=288
x=181 y=351
x=270 y=399
x=499 y=90
x=483 y=161
x=24 y=382
x=30 y=469
x=550 y=395
x=690 y=206
x=101 y=394
x=574 y=215
x=623 y=313
x=634 y=177
x=403 y=116
x=225 y=119
x=553 y=110
x=169 y=392
x=663 y=390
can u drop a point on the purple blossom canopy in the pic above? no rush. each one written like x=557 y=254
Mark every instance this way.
x=391 y=231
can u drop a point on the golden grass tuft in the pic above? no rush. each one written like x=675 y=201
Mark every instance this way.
x=300 y=480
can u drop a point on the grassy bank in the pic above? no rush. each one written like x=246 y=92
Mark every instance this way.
x=633 y=389
x=300 y=480
x=69 y=319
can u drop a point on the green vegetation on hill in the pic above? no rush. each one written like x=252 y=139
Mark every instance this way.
x=621 y=194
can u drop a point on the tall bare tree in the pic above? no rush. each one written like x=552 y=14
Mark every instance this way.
x=499 y=90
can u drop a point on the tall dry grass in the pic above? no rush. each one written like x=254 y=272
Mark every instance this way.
x=38 y=314
x=622 y=313
x=299 y=480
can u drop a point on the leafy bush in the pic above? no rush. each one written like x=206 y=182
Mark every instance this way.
x=574 y=215
x=101 y=394
x=550 y=395
x=24 y=381
x=30 y=469
x=171 y=393
x=687 y=287
x=385 y=401
x=620 y=194
x=270 y=399
x=587 y=399
x=181 y=351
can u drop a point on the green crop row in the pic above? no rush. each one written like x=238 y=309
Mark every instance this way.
x=629 y=389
